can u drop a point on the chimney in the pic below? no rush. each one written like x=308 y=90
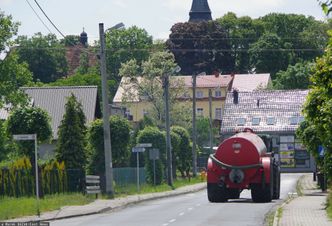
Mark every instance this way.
x=235 y=96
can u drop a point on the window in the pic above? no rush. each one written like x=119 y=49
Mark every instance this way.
x=199 y=111
x=217 y=93
x=145 y=112
x=255 y=121
x=270 y=121
x=241 y=121
x=293 y=120
x=218 y=113
x=301 y=119
x=199 y=94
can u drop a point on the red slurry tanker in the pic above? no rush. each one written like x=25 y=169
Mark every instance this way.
x=243 y=161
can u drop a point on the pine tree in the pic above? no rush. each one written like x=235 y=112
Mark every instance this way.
x=71 y=136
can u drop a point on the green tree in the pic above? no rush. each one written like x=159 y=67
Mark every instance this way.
x=29 y=120
x=295 y=77
x=44 y=55
x=242 y=32
x=71 y=143
x=70 y=40
x=3 y=149
x=266 y=55
x=123 y=45
x=317 y=109
x=147 y=81
x=183 y=154
x=201 y=47
x=13 y=74
x=120 y=137
x=154 y=136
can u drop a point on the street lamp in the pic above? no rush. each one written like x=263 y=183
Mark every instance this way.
x=194 y=154
x=167 y=125
x=106 y=113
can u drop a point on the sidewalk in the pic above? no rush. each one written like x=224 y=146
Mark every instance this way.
x=306 y=210
x=103 y=205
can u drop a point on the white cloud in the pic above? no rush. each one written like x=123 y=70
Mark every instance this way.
x=120 y=3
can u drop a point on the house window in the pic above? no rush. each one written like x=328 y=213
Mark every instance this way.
x=199 y=111
x=241 y=121
x=293 y=120
x=217 y=93
x=255 y=121
x=145 y=112
x=301 y=119
x=199 y=94
x=218 y=113
x=270 y=121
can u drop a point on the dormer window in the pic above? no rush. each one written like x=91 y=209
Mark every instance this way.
x=255 y=121
x=241 y=121
x=270 y=121
x=293 y=120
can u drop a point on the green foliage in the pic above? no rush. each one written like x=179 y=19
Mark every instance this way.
x=243 y=31
x=29 y=120
x=183 y=154
x=295 y=77
x=3 y=149
x=120 y=136
x=317 y=109
x=13 y=76
x=8 y=29
x=54 y=178
x=201 y=47
x=17 y=179
x=44 y=55
x=154 y=136
x=70 y=40
x=123 y=45
x=147 y=79
x=71 y=141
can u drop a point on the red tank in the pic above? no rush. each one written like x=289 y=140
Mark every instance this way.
x=243 y=162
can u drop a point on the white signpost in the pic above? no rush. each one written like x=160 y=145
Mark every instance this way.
x=139 y=148
x=31 y=137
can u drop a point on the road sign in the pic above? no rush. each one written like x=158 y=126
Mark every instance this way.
x=137 y=149
x=154 y=154
x=144 y=145
x=24 y=137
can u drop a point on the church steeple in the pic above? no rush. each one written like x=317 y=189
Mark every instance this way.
x=200 y=11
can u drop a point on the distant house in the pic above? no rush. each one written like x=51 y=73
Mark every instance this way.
x=137 y=106
x=54 y=99
x=274 y=112
x=250 y=82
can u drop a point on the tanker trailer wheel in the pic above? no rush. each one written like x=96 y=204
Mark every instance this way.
x=217 y=192
x=276 y=182
x=234 y=193
x=260 y=194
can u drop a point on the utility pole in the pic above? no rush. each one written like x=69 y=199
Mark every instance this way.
x=168 y=135
x=210 y=120
x=194 y=127
x=106 y=114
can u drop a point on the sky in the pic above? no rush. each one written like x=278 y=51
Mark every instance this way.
x=155 y=16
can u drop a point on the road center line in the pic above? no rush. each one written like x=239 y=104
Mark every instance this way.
x=173 y=220
x=181 y=214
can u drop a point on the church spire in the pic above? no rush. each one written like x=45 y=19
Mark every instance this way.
x=200 y=11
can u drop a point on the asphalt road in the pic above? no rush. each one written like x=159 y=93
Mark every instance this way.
x=189 y=210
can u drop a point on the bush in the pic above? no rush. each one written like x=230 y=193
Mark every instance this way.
x=157 y=138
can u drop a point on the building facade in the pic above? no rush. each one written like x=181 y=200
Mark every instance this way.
x=273 y=112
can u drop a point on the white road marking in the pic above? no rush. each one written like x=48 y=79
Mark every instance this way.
x=198 y=204
x=190 y=209
x=173 y=220
x=181 y=214
x=165 y=224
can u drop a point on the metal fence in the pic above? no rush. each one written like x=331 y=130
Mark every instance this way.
x=128 y=175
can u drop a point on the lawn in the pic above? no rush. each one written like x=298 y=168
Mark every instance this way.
x=26 y=206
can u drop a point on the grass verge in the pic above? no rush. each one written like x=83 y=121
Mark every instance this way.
x=329 y=204
x=26 y=206
x=121 y=191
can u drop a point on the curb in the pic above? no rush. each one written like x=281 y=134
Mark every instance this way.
x=127 y=201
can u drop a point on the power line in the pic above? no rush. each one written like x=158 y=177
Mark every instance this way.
x=38 y=16
x=49 y=19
